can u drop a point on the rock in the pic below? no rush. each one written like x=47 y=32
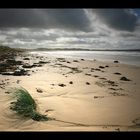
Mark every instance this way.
x=95 y=97
x=20 y=72
x=102 y=78
x=124 y=79
x=26 y=58
x=7 y=73
x=70 y=82
x=87 y=83
x=88 y=74
x=82 y=59
x=27 y=66
x=68 y=62
x=112 y=88
x=18 y=81
x=101 y=67
x=7 y=92
x=111 y=82
x=96 y=76
x=39 y=90
x=75 y=61
x=97 y=69
x=61 y=85
x=106 y=66
x=117 y=73
x=116 y=61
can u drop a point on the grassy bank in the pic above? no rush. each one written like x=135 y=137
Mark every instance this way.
x=25 y=106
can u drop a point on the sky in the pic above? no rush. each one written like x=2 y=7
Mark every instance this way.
x=70 y=28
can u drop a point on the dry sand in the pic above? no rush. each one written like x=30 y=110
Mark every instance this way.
x=105 y=103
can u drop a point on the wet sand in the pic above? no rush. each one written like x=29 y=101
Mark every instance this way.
x=82 y=95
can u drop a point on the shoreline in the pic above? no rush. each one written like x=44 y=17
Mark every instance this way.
x=79 y=91
x=89 y=55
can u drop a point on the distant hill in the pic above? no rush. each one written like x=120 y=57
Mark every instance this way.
x=6 y=49
x=80 y=49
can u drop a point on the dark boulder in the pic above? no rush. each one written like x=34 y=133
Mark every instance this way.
x=124 y=79
x=101 y=67
x=26 y=58
x=117 y=73
x=116 y=61
x=20 y=72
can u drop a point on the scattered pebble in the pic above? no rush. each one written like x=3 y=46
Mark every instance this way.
x=61 y=85
x=87 y=83
x=83 y=59
x=95 y=97
x=7 y=92
x=101 y=67
x=95 y=76
x=39 y=90
x=70 y=82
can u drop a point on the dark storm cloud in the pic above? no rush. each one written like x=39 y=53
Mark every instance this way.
x=74 y=19
x=118 y=19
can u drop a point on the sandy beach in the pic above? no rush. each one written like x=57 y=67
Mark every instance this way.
x=82 y=95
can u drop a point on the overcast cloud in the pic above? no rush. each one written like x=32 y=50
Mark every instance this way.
x=76 y=28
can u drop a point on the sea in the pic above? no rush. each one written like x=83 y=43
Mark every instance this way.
x=125 y=57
